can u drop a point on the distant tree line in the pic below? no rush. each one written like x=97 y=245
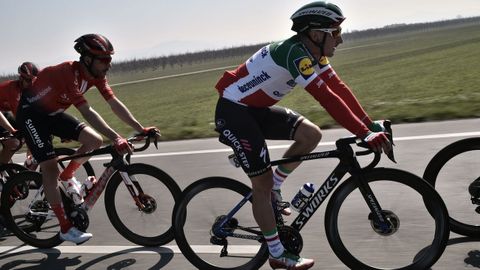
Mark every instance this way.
x=399 y=28
x=180 y=60
x=183 y=59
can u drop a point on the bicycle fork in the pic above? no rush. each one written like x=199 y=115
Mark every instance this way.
x=144 y=202
x=383 y=222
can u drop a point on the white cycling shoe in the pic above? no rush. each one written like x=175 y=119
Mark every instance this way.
x=75 y=236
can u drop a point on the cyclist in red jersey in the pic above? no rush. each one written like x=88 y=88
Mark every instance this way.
x=41 y=115
x=10 y=92
x=245 y=116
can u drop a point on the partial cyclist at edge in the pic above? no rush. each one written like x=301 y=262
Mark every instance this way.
x=245 y=115
x=10 y=92
x=41 y=114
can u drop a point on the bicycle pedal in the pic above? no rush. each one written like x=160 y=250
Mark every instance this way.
x=282 y=205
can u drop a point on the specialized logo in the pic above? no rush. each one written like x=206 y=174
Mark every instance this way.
x=220 y=123
x=257 y=79
x=316 y=201
x=278 y=94
x=305 y=67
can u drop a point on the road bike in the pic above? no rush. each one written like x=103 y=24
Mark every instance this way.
x=140 y=209
x=455 y=173
x=379 y=218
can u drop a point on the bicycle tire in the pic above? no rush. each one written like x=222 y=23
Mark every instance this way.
x=63 y=151
x=30 y=232
x=168 y=185
x=436 y=165
x=432 y=201
x=180 y=214
x=11 y=169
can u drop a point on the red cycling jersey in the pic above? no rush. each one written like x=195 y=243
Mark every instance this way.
x=58 y=87
x=10 y=92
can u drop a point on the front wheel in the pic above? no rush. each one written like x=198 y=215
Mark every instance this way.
x=197 y=220
x=146 y=218
x=415 y=231
x=453 y=171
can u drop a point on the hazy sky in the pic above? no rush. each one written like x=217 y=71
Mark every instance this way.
x=43 y=31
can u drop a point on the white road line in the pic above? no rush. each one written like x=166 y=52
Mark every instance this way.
x=173 y=76
x=284 y=146
x=205 y=249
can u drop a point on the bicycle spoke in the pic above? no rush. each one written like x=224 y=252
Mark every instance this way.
x=211 y=250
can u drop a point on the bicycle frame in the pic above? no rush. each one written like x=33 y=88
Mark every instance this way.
x=348 y=163
x=119 y=163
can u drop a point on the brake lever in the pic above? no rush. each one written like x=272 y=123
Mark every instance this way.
x=389 y=132
x=155 y=142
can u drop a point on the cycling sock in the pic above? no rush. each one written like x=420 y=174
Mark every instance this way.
x=59 y=211
x=279 y=176
x=70 y=170
x=275 y=247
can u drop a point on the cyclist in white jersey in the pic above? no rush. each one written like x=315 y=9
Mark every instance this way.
x=245 y=115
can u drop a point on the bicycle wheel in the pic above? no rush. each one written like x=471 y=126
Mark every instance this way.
x=8 y=170
x=80 y=174
x=157 y=191
x=27 y=212
x=203 y=203
x=451 y=171
x=418 y=223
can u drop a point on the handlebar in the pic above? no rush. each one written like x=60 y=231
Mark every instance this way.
x=342 y=143
x=110 y=149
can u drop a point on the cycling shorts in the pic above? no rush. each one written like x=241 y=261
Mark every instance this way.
x=246 y=128
x=38 y=128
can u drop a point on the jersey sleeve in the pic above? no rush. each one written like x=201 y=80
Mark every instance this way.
x=105 y=89
x=330 y=77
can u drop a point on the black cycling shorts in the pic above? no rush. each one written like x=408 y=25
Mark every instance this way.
x=246 y=128
x=38 y=127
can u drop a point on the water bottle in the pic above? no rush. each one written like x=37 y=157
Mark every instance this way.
x=301 y=199
x=88 y=184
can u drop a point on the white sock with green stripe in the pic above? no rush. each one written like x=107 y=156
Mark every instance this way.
x=279 y=176
x=275 y=247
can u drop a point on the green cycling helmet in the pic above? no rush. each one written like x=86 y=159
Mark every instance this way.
x=317 y=15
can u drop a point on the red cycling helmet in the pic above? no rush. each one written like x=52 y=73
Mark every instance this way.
x=28 y=70
x=94 y=45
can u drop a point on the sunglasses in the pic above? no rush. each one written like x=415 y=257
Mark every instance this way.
x=105 y=60
x=334 y=32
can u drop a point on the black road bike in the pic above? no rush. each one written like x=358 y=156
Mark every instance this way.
x=140 y=209
x=455 y=173
x=378 y=218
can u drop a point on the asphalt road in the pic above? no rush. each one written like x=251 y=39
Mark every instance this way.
x=189 y=160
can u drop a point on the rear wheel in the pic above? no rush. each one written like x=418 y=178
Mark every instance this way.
x=204 y=205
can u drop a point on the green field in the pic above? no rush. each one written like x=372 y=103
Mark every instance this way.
x=408 y=77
